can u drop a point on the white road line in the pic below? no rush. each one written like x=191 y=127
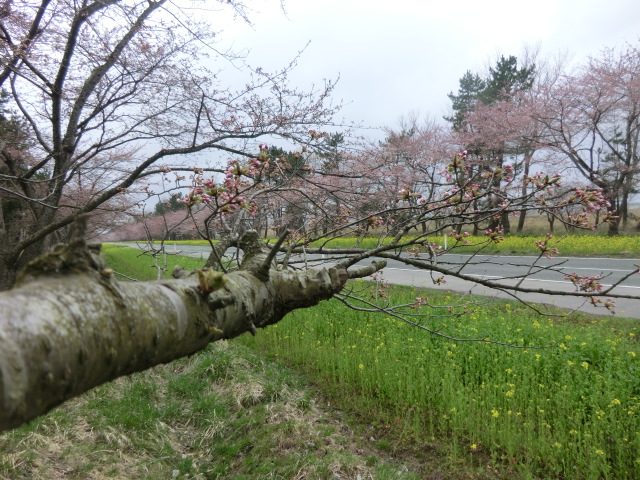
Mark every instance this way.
x=536 y=256
x=604 y=285
x=570 y=283
x=600 y=269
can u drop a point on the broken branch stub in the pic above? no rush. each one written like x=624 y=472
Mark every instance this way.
x=70 y=325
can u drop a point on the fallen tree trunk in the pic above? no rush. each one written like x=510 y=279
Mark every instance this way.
x=69 y=326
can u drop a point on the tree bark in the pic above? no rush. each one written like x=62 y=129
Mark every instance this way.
x=69 y=326
x=525 y=173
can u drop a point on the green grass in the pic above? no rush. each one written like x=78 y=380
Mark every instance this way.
x=130 y=262
x=224 y=413
x=445 y=409
x=568 y=411
x=568 y=245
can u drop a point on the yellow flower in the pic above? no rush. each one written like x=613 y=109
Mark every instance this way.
x=615 y=401
x=599 y=452
x=495 y=413
x=361 y=366
x=585 y=365
x=473 y=446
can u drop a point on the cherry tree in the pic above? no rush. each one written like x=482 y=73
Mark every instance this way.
x=93 y=82
x=69 y=325
x=127 y=82
x=410 y=159
x=591 y=117
x=486 y=119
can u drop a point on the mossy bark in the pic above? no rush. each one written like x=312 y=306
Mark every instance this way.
x=69 y=326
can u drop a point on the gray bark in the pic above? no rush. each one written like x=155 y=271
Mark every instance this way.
x=69 y=326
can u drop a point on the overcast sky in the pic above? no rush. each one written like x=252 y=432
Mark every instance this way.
x=398 y=56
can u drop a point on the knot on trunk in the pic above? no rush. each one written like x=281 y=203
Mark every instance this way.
x=72 y=258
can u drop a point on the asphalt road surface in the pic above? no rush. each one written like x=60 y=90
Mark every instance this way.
x=540 y=273
x=510 y=270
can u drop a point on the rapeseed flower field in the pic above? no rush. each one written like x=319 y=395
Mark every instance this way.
x=563 y=401
x=567 y=245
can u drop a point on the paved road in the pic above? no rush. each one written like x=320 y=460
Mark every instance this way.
x=509 y=270
x=547 y=274
x=506 y=269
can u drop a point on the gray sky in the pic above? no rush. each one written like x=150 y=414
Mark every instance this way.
x=398 y=56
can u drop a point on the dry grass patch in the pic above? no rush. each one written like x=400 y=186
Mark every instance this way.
x=223 y=413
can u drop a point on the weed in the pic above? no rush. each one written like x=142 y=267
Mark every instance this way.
x=572 y=409
x=207 y=416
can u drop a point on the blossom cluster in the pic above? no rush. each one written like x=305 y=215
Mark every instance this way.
x=542 y=181
x=230 y=194
x=457 y=165
x=495 y=235
x=585 y=283
x=460 y=237
x=545 y=249
x=406 y=194
x=609 y=304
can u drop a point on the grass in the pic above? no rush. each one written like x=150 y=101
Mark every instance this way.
x=568 y=245
x=130 y=262
x=441 y=409
x=571 y=410
x=225 y=413
x=568 y=411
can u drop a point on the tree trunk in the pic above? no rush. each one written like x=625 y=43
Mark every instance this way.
x=10 y=265
x=505 y=221
x=525 y=173
x=19 y=221
x=551 y=219
x=614 y=228
x=624 y=209
x=69 y=326
x=521 y=221
x=614 y=225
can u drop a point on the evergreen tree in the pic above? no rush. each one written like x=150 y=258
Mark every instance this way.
x=171 y=205
x=506 y=79
x=501 y=83
x=470 y=89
